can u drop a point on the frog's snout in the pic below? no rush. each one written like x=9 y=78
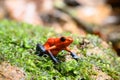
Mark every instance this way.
x=70 y=39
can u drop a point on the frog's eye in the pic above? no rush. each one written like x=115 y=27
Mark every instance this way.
x=62 y=39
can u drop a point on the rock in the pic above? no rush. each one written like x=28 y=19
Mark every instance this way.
x=9 y=72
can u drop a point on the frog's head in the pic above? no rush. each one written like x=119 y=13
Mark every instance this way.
x=66 y=41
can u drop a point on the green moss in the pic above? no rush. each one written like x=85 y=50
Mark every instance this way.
x=17 y=46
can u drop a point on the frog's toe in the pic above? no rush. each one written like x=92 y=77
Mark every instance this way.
x=75 y=57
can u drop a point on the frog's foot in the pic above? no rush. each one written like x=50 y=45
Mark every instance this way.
x=40 y=50
x=74 y=56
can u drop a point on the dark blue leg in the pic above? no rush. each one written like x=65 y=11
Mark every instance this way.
x=74 y=56
x=40 y=50
x=52 y=57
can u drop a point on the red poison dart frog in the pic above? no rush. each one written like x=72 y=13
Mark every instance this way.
x=54 y=45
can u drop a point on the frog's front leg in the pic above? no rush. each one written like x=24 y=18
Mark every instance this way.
x=52 y=57
x=74 y=56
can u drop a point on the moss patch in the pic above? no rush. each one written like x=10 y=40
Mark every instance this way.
x=17 y=46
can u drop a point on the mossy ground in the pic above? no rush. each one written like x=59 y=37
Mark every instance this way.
x=17 y=46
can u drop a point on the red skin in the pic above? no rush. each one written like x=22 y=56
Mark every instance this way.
x=55 y=45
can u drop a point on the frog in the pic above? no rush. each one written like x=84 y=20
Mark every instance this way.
x=53 y=46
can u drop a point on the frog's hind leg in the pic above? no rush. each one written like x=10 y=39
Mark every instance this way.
x=40 y=50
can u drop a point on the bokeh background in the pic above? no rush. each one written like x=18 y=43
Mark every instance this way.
x=99 y=17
